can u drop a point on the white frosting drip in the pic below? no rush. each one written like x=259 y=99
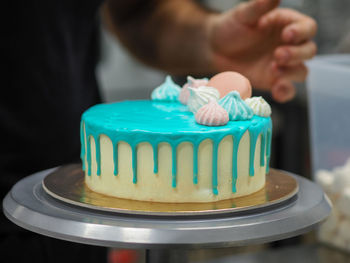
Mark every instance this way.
x=201 y=96
x=259 y=105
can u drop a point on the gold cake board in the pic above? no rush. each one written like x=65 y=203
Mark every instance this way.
x=67 y=184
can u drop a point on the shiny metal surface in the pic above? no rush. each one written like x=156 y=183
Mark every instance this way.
x=29 y=206
x=67 y=184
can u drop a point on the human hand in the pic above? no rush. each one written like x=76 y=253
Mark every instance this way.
x=267 y=44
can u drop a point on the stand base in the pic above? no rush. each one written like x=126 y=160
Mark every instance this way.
x=30 y=207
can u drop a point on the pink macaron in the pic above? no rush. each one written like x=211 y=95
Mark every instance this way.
x=229 y=81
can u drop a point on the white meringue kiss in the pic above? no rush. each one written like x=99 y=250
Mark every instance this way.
x=193 y=83
x=259 y=105
x=201 y=96
x=212 y=114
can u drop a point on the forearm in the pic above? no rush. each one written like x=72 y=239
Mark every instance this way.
x=168 y=34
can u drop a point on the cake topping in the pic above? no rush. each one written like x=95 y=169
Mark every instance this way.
x=193 y=83
x=212 y=114
x=168 y=91
x=201 y=96
x=237 y=109
x=228 y=81
x=260 y=106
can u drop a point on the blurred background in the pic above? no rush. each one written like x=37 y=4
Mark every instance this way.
x=122 y=77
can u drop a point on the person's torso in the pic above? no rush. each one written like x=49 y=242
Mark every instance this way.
x=50 y=50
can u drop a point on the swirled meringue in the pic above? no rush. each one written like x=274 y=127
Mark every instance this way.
x=168 y=91
x=201 y=96
x=212 y=114
x=193 y=83
x=237 y=109
x=259 y=105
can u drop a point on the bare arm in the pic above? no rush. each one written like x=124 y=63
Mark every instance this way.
x=267 y=44
x=170 y=35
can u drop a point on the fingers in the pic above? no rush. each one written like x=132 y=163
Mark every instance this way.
x=283 y=91
x=299 y=31
x=296 y=73
x=281 y=17
x=250 y=12
x=297 y=28
x=294 y=55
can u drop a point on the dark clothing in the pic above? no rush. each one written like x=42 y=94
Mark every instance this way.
x=49 y=50
x=50 y=54
x=31 y=247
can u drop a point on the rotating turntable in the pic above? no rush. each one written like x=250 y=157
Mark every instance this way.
x=300 y=207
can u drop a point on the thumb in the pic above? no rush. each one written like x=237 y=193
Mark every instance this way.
x=250 y=12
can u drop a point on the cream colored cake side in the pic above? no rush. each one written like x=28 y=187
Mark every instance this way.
x=158 y=187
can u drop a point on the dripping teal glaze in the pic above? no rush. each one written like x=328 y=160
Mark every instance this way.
x=268 y=148
x=262 y=149
x=195 y=163
x=173 y=169
x=155 y=159
x=82 y=143
x=236 y=139
x=157 y=122
x=254 y=132
x=98 y=154
x=88 y=153
x=115 y=158
x=134 y=163
x=215 y=167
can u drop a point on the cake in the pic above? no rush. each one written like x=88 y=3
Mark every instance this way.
x=161 y=151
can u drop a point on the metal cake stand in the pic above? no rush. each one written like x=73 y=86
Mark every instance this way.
x=165 y=238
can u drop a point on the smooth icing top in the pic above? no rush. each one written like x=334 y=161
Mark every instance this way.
x=168 y=91
x=157 y=121
x=237 y=109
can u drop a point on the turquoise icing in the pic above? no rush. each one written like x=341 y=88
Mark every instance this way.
x=174 y=168
x=236 y=108
x=215 y=167
x=157 y=122
x=168 y=91
x=115 y=158
x=195 y=164
x=134 y=164
x=155 y=158
x=268 y=149
x=236 y=139
x=82 y=143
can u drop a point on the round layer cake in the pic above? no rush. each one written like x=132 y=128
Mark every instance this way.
x=155 y=151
